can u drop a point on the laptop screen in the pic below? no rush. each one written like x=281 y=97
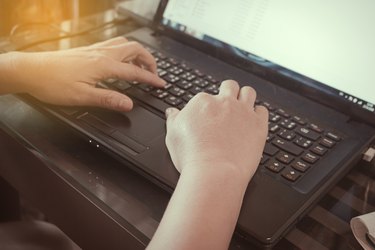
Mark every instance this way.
x=330 y=42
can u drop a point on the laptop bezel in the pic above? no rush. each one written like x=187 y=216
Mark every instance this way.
x=310 y=88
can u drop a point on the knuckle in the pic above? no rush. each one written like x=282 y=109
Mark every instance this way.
x=136 y=45
x=202 y=96
x=206 y=101
x=99 y=59
x=137 y=72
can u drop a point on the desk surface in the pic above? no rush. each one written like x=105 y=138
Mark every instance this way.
x=102 y=204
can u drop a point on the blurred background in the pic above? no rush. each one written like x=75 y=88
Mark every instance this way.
x=22 y=13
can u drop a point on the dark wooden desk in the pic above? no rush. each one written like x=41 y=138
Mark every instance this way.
x=101 y=204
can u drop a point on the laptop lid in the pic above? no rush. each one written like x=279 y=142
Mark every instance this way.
x=322 y=50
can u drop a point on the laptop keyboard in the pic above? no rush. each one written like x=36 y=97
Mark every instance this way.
x=294 y=145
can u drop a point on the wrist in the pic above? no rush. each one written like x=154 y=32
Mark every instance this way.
x=217 y=174
x=11 y=72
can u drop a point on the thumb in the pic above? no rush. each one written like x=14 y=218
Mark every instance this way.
x=171 y=114
x=106 y=98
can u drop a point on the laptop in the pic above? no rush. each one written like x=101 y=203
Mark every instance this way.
x=311 y=63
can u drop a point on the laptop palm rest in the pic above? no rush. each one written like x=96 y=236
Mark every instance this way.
x=135 y=129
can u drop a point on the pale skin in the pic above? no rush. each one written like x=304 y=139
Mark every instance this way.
x=69 y=77
x=215 y=142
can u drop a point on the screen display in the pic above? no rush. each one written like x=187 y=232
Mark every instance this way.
x=331 y=42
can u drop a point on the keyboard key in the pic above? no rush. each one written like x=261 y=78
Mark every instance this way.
x=184 y=84
x=201 y=83
x=308 y=133
x=159 y=93
x=171 y=78
x=172 y=100
x=274 y=166
x=287 y=146
x=319 y=150
x=284 y=158
x=273 y=128
x=188 y=76
x=288 y=124
x=274 y=117
x=175 y=70
x=327 y=142
x=270 y=137
x=145 y=87
x=195 y=90
x=283 y=113
x=172 y=61
x=212 y=89
x=168 y=86
x=316 y=128
x=299 y=120
x=290 y=175
x=268 y=106
x=185 y=67
x=287 y=135
x=333 y=136
x=303 y=142
x=160 y=55
x=121 y=85
x=163 y=65
x=198 y=73
x=187 y=97
x=270 y=150
x=176 y=91
x=264 y=159
x=310 y=158
x=162 y=72
x=181 y=105
x=211 y=79
x=300 y=166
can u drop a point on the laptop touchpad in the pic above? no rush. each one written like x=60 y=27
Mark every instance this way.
x=139 y=125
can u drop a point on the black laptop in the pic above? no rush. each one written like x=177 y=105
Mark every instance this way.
x=312 y=65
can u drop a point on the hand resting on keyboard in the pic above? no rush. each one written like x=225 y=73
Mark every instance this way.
x=69 y=77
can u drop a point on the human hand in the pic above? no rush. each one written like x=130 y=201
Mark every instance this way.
x=216 y=132
x=68 y=77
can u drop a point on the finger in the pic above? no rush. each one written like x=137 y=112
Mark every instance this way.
x=134 y=51
x=229 y=88
x=132 y=72
x=104 y=98
x=171 y=114
x=247 y=95
x=262 y=112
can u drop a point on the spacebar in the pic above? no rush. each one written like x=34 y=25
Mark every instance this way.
x=287 y=146
x=148 y=99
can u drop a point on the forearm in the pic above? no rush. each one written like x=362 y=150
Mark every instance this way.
x=8 y=75
x=13 y=72
x=202 y=212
